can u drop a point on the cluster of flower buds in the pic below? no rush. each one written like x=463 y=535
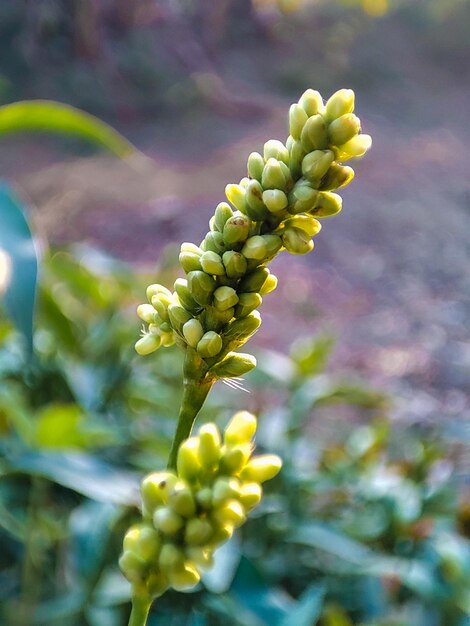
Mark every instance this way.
x=189 y=513
x=289 y=186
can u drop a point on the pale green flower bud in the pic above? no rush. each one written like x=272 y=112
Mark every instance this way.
x=356 y=147
x=297 y=119
x=143 y=541
x=234 y=458
x=147 y=313
x=241 y=428
x=234 y=365
x=198 y=532
x=222 y=533
x=273 y=245
x=336 y=177
x=244 y=182
x=235 y=264
x=247 y=302
x=210 y=345
x=132 y=566
x=156 y=488
x=225 y=298
x=157 y=583
x=302 y=198
x=193 y=332
x=214 y=242
x=187 y=462
x=185 y=577
x=327 y=204
x=255 y=166
x=171 y=558
x=296 y=241
x=312 y=102
x=225 y=488
x=190 y=261
x=277 y=150
x=269 y=285
x=242 y=329
x=209 y=445
x=201 y=286
x=275 y=200
x=191 y=247
x=314 y=134
x=297 y=154
x=160 y=303
x=178 y=316
x=184 y=295
x=255 y=208
x=344 y=128
x=211 y=263
x=236 y=196
x=273 y=176
x=204 y=497
x=305 y=222
x=214 y=318
x=200 y=556
x=167 y=339
x=261 y=468
x=250 y=495
x=148 y=344
x=231 y=512
x=181 y=498
x=167 y=521
x=255 y=248
x=236 y=229
x=152 y=290
x=315 y=165
x=223 y=212
x=254 y=280
x=340 y=103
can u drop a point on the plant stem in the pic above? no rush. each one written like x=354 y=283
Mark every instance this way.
x=194 y=394
x=140 y=611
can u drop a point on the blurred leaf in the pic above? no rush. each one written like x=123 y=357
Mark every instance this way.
x=60 y=608
x=48 y=116
x=322 y=537
x=226 y=560
x=18 y=263
x=308 y=609
x=197 y=619
x=113 y=589
x=81 y=472
x=311 y=355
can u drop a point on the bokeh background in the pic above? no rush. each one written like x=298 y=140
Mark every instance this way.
x=196 y=86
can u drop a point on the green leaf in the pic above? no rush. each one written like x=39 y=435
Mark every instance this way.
x=18 y=263
x=311 y=355
x=308 y=609
x=56 y=117
x=81 y=472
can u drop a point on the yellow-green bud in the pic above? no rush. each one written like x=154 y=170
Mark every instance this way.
x=254 y=248
x=297 y=119
x=236 y=196
x=167 y=339
x=185 y=577
x=178 y=316
x=193 y=331
x=232 y=512
x=273 y=175
x=187 y=461
x=156 y=488
x=202 y=557
x=222 y=533
x=312 y=102
x=269 y=285
x=132 y=566
x=201 y=286
x=255 y=166
x=148 y=344
x=244 y=182
x=187 y=246
x=209 y=445
x=210 y=344
x=171 y=558
x=184 y=295
x=250 y=495
x=190 y=261
x=302 y=198
x=198 y=532
x=225 y=489
x=273 y=245
x=240 y=429
x=344 y=128
x=167 y=521
x=204 y=497
x=234 y=365
x=255 y=208
x=211 y=263
x=314 y=134
x=277 y=150
x=336 y=177
x=275 y=200
x=297 y=154
x=254 y=280
x=225 y=298
x=143 y=541
x=146 y=312
x=296 y=241
x=160 y=303
x=356 y=147
x=214 y=242
x=261 y=468
x=214 y=319
x=156 y=584
x=223 y=212
x=240 y=330
x=235 y=264
x=152 y=290
x=234 y=458
x=305 y=222
x=247 y=302
x=315 y=165
x=327 y=204
x=181 y=499
x=340 y=103
x=236 y=229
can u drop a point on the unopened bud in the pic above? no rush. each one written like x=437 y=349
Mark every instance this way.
x=250 y=495
x=171 y=558
x=315 y=165
x=254 y=248
x=296 y=241
x=156 y=488
x=225 y=298
x=132 y=566
x=210 y=344
x=160 y=303
x=187 y=246
x=181 y=499
x=255 y=208
x=336 y=177
x=190 y=261
x=255 y=166
x=327 y=204
x=143 y=541
x=277 y=150
x=262 y=468
x=234 y=365
x=297 y=119
x=187 y=461
x=148 y=344
x=305 y=222
x=201 y=556
x=234 y=263
x=302 y=198
x=146 y=312
x=232 y=512
x=357 y=146
x=178 y=316
x=209 y=445
x=152 y=290
x=225 y=489
x=184 y=295
x=211 y=263
x=236 y=229
x=247 y=302
x=273 y=176
x=312 y=102
x=344 y=128
x=201 y=286
x=269 y=285
x=197 y=532
x=275 y=200
x=193 y=331
x=340 y=103
x=223 y=212
x=234 y=458
x=167 y=521
x=236 y=196
x=254 y=280
x=314 y=134
x=185 y=577
x=273 y=245
x=240 y=429
x=214 y=242
x=242 y=329
x=297 y=154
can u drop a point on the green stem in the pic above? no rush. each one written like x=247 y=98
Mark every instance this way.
x=140 y=611
x=194 y=394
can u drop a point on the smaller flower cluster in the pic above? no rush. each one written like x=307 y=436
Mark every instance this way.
x=188 y=514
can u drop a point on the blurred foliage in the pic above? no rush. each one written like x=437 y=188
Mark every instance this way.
x=364 y=525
